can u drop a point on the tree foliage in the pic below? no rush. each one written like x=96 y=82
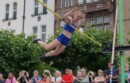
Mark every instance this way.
x=129 y=44
x=17 y=53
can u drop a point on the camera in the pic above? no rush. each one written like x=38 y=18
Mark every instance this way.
x=46 y=72
x=25 y=73
x=90 y=74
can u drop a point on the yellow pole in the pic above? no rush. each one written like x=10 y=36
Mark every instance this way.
x=68 y=23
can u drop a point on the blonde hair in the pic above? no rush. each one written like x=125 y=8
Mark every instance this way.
x=101 y=71
x=1 y=77
x=58 y=72
x=80 y=14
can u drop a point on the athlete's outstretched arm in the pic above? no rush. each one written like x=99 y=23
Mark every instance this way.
x=68 y=17
x=82 y=22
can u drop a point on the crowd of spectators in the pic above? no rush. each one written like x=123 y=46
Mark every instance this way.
x=82 y=76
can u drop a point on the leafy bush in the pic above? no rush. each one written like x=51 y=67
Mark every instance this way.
x=83 y=52
x=17 y=52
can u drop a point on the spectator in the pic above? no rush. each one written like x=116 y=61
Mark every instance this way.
x=48 y=74
x=67 y=77
x=36 y=78
x=71 y=72
x=57 y=78
x=127 y=72
x=100 y=78
x=79 y=77
x=91 y=76
x=107 y=74
x=126 y=76
x=45 y=79
x=23 y=77
x=1 y=79
x=10 y=79
x=85 y=77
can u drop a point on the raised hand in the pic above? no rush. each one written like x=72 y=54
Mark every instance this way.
x=75 y=9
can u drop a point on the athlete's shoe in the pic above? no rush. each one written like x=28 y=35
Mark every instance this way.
x=36 y=40
x=42 y=57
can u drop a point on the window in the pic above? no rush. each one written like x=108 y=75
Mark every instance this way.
x=81 y=29
x=93 y=21
x=44 y=8
x=81 y=8
x=62 y=23
x=35 y=31
x=43 y=33
x=99 y=27
x=95 y=0
x=80 y=1
x=14 y=10
x=62 y=3
x=106 y=19
x=100 y=20
x=90 y=1
x=106 y=27
x=36 y=8
x=72 y=2
x=45 y=1
x=7 y=12
x=67 y=3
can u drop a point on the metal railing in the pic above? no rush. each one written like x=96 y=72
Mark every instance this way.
x=102 y=5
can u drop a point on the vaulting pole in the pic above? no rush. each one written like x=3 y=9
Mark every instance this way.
x=68 y=23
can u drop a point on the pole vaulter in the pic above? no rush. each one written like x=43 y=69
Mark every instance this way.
x=62 y=41
x=57 y=15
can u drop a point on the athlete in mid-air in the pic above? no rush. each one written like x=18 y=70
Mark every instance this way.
x=63 y=39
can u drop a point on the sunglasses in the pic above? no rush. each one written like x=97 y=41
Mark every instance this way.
x=99 y=72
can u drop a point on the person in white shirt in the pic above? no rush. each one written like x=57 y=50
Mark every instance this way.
x=57 y=78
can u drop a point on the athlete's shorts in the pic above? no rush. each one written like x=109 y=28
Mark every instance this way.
x=63 y=39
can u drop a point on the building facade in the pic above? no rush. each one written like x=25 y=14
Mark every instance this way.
x=126 y=19
x=27 y=16
x=99 y=13
x=126 y=24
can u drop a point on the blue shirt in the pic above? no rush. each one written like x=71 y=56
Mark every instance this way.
x=114 y=73
x=33 y=79
x=68 y=28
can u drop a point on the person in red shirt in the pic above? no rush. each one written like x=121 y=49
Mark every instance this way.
x=67 y=77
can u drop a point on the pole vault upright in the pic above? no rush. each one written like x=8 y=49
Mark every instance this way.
x=121 y=40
